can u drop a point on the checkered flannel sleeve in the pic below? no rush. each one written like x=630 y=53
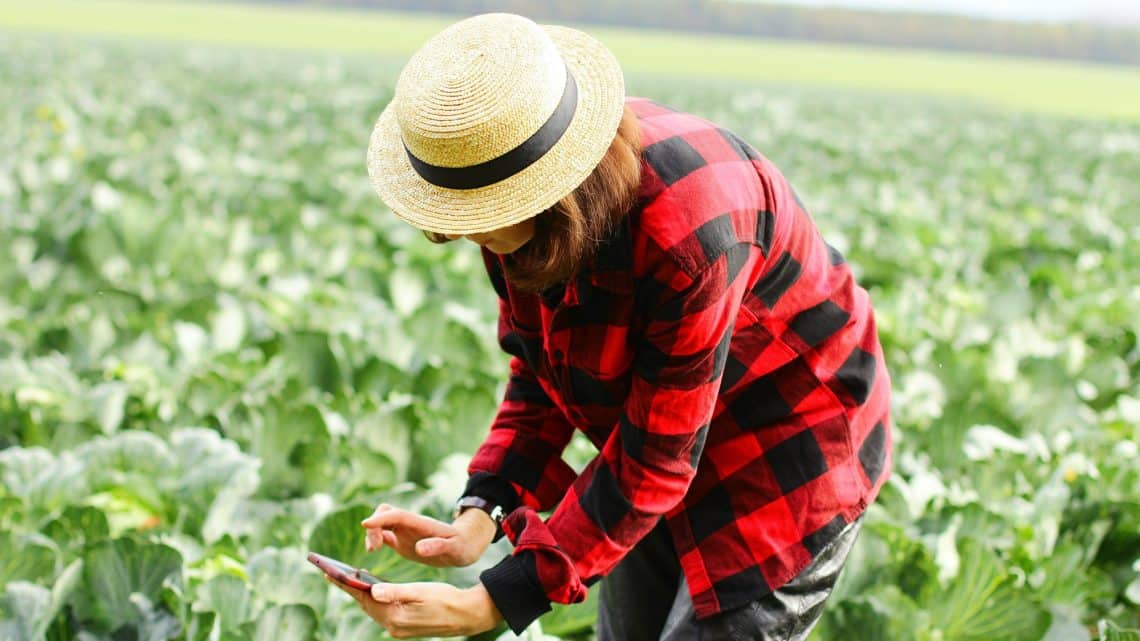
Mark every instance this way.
x=644 y=469
x=520 y=461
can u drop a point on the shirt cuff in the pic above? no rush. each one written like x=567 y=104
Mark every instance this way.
x=514 y=587
x=495 y=489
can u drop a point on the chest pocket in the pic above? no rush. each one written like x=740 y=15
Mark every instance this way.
x=592 y=332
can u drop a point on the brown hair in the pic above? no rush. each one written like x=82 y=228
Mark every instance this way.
x=568 y=233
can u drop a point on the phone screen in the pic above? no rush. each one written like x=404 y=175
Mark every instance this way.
x=343 y=572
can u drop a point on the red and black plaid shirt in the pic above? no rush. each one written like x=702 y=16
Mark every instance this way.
x=725 y=363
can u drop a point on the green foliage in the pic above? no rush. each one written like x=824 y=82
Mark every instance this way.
x=34 y=561
x=229 y=597
x=33 y=612
x=285 y=623
x=982 y=602
x=218 y=352
x=1109 y=632
x=340 y=536
x=571 y=620
x=115 y=572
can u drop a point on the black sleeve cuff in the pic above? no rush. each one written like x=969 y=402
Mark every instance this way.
x=514 y=587
x=495 y=489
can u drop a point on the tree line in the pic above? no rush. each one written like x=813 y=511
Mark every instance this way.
x=1081 y=41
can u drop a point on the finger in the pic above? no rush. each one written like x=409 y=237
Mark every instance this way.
x=373 y=539
x=388 y=519
x=389 y=537
x=393 y=519
x=383 y=507
x=379 y=512
x=395 y=593
x=384 y=593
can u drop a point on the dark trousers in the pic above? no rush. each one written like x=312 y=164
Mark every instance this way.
x=646 y=598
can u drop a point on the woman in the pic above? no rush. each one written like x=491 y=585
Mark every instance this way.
x=662 y=289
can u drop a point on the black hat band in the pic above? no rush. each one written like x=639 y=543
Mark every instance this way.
x=512 y=162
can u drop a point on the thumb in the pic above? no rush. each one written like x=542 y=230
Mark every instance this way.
x=391 y=593
x=434 y=546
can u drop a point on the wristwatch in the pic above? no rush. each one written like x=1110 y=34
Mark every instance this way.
x=496 y=512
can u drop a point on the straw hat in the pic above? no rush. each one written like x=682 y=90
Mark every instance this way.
x=494 y=120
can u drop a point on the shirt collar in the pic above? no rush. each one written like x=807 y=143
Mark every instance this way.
x=610 y=270
x=612 y=266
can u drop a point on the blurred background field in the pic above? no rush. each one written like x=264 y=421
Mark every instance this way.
x=1061 y=87
x=218 y=351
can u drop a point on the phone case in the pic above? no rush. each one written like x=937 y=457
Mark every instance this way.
x=343 y=572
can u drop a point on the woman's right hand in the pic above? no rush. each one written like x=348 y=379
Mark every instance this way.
x=425 y=540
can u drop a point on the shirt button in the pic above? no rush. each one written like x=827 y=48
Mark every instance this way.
x=556 y=356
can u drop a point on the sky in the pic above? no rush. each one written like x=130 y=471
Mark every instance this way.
x=1032 y=10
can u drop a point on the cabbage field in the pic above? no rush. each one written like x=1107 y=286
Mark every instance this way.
x=218 y=351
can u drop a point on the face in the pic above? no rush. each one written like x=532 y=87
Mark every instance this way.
x=504 y=240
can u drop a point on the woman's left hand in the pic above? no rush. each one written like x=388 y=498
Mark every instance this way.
x=412 y=610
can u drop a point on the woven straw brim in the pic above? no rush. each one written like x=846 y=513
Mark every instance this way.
x=601 y=100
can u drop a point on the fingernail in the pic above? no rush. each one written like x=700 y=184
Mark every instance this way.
x=379 y=593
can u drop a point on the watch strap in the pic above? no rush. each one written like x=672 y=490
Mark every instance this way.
x=496 y=490
x=496 y=512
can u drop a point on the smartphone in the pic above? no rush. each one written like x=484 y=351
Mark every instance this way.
x=343 y=572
